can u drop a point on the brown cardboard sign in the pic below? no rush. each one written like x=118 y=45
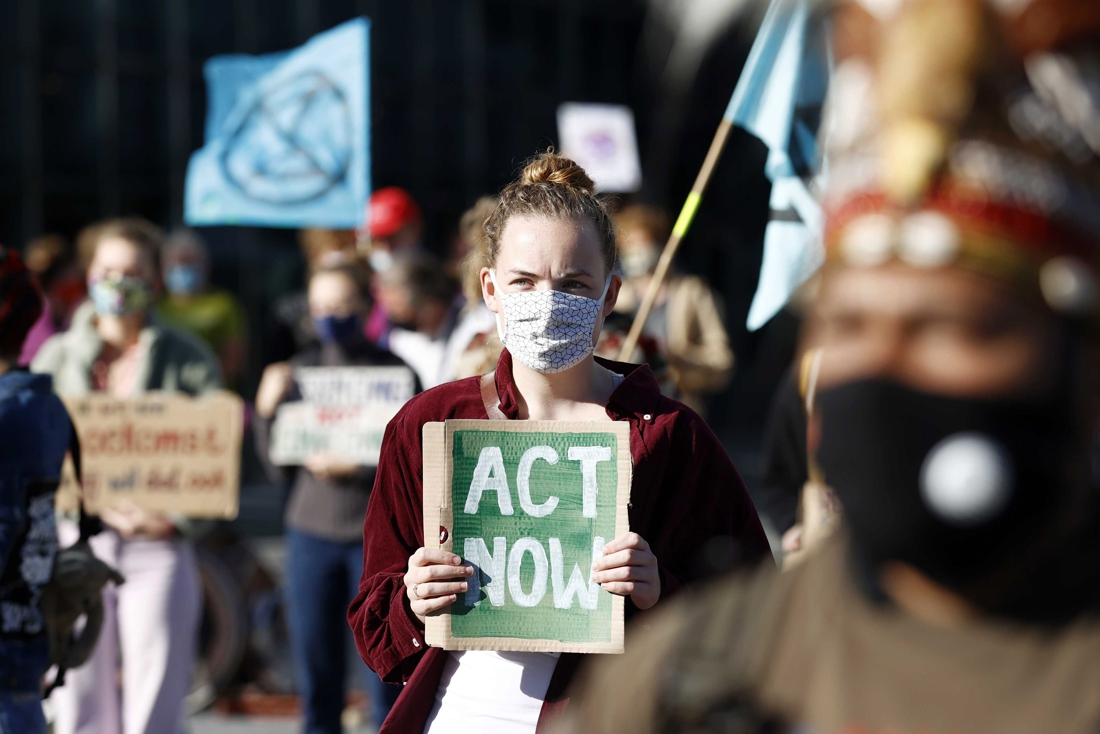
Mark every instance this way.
x=162 y=451
x=529 y=504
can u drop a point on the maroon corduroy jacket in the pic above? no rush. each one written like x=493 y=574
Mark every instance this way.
x=686 y=493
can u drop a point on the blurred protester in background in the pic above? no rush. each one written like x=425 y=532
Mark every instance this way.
x=393 y=231
x=116 y=344
x=61 y=282
x=293 y=328
x=686 y=320
x=327 y=503
x=474 y=347
x=471 y=227
x=34 y=436
x=190 y=303
x=957 y=403
x=423 y=308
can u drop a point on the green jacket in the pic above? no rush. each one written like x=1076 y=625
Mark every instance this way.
x=172 y=361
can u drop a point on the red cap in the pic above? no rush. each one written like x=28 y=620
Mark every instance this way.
x=391 y=209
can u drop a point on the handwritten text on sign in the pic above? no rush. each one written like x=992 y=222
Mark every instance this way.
x=344 y=411
x=530 y=509
x=165 y=452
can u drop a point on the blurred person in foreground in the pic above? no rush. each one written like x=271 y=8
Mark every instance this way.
x=61 y=282
x=473 y=348
x=34 y=436
x=550 y=279
x=327 y=503
x=686 y=319
x=116 y=344
x=190 y=303
x=393 y=232
x=292 y=331
x=423 y=309
x=957 y=402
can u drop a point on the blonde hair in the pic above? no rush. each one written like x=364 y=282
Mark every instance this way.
x=552 y=185
x=138 y=231
x=471 y=228
x=646 y=219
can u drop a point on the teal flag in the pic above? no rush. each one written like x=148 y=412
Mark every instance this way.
x=287 y=136
x=779 y=99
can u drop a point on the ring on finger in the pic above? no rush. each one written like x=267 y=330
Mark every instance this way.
x=416 y=591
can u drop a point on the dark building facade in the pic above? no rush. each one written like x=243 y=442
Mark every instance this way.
x=103 y=101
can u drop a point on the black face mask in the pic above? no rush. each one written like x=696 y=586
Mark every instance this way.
x=968 y=491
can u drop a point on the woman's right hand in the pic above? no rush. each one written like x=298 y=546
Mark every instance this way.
x=274 y=386
x=434 y=580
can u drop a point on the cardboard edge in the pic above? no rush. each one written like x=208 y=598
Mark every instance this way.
x=625 y=473
x=515 y=644
x=233 y=506
x=436 y=496
x=621 y=428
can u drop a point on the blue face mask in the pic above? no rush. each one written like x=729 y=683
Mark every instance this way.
x=337 y=328
x=184 y=280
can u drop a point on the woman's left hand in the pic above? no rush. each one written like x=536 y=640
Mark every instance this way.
x=629 y=568
x=132 y=521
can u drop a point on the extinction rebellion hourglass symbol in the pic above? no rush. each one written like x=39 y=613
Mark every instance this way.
x=294 y=145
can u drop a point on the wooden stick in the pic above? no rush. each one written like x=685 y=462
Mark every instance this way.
x=683 y=223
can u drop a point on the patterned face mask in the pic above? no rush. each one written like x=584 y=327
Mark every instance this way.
x=119 y=295
x=548 y=331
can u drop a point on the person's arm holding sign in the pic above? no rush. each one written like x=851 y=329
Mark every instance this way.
x=388 y=631
x=132 y=521
x=629 y=568
x=275 y=385
x=435 y=579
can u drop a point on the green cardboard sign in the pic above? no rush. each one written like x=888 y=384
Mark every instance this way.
x=529 y=504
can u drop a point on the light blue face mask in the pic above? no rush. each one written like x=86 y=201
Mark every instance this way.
x=549 y=331
x=185 y=279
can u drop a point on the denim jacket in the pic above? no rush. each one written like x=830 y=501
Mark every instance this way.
x=34 y=436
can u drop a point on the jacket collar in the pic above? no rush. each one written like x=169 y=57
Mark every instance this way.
x=635 y=397
x=86 y=344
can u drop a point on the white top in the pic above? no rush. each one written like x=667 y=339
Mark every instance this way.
x=474 y=322
x=421 y=352
x=491 y=692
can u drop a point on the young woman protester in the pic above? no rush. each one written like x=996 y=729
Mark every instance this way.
x=117 y=345
x=323 y=542
x=550 y=281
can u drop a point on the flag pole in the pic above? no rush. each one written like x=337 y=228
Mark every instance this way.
x=683 y=223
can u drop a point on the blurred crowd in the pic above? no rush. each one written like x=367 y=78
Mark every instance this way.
x=930 y=454
x=425 y=310
x=128 y=310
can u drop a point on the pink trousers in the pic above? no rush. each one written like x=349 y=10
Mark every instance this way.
x=140 y=672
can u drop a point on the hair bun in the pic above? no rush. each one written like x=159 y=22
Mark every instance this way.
x=554 y=168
